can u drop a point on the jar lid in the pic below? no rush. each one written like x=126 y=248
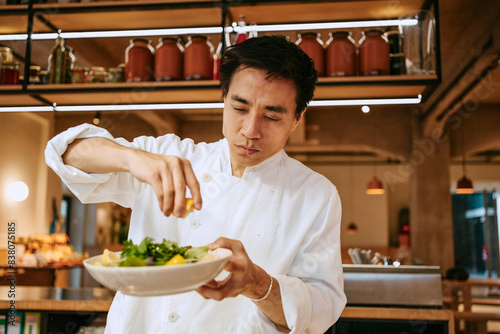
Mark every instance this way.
x=169 y=38
x=341 y=32
x=199 y=36
x=115 y=69
x=144 y=40
x=378 y=31
x=35 y=67
x=309 y=33
x=10 y=65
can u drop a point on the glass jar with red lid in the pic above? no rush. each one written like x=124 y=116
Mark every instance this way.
x=340 y=54
x=374 y=53
x=198 y=58
x=313 y=46
x=169 y=59
x=139 y=61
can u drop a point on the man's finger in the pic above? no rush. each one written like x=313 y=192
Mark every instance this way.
x=193 y=184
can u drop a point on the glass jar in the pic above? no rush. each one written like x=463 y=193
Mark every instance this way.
x=198 y=58
x=97 y=75
x=80 y=75
x=44 y=77
x=116 y=74
x=139 y=60
x=374 y=53
x=340 y=54
x=312 y=45
x=419 y=42
x=9 y=73
x=169 y=59
x=6 y=55
x=34 y=75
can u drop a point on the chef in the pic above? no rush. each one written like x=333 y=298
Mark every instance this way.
x=280 y=219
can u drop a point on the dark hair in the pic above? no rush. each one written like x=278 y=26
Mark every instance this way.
x=279 y=58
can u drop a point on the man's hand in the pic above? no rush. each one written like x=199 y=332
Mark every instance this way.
x=168 y=175
x=247 y=279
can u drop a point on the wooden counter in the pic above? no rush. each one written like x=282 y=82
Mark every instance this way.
x=29 y=298
x=98 y=300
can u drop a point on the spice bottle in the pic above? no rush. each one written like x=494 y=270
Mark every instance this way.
x=313 y=46
x=340 y=54
x=57 y=63
x=198 y=58
x=139 y=61
x=169 y=59
x=374 y=53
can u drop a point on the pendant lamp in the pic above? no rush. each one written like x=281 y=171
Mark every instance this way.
x=464 y=185
x=352 y=228
x=375 y=187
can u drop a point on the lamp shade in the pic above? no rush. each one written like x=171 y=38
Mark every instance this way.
x=375 y=187
x=352 y=228
x=464 y=186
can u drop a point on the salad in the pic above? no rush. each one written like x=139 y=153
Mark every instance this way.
x=148 y=253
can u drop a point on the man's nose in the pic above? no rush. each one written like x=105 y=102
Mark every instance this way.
x=251 y=127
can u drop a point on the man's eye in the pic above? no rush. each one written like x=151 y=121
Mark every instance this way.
x=271 y=119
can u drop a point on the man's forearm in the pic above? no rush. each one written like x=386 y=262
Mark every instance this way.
x=97 y=155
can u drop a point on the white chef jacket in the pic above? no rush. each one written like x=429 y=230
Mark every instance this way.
x=286 y=216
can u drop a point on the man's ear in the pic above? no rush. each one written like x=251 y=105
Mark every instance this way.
x=297 y=119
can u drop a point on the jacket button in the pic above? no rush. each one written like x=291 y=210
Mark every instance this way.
x=194 y=224
x=173 y=317
x=206 y=177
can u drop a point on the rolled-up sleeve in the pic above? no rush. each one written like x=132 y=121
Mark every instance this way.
x=90 y=187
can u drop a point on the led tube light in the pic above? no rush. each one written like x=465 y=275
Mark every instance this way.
x=364 y=102
x=209 y=30
x=215 y=105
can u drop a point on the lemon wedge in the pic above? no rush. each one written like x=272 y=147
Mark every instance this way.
x=109 y=258
x=189 y=208
x=176 y=259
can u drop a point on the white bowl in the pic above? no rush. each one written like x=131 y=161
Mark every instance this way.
x=158 y=280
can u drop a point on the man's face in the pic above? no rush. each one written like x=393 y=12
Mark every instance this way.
x=259 y=115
